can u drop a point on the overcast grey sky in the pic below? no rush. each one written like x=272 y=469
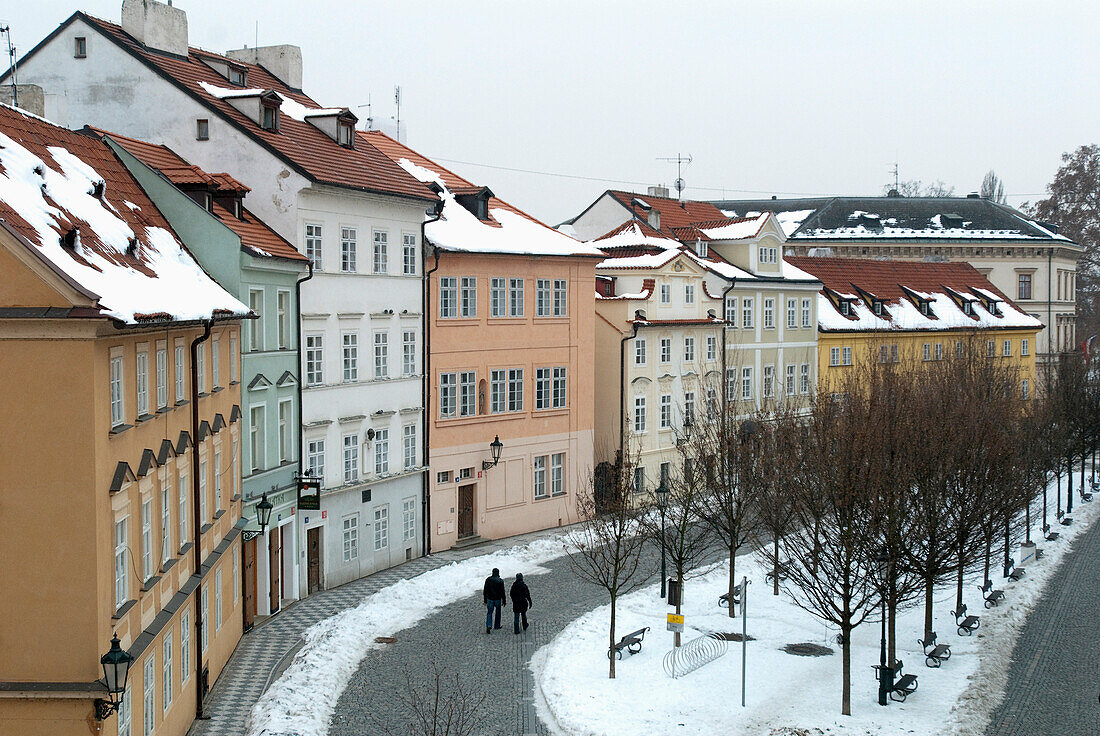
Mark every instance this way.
x=770 y=97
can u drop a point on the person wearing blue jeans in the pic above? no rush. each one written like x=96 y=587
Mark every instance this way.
x=494 y=596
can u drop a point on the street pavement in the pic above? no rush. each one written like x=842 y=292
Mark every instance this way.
x=1054 y=679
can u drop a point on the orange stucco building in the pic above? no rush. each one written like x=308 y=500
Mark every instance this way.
x=121 y=492
x=510 y=341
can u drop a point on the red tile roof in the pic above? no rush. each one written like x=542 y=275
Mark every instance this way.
x=256 y=237
x=306 y=148
x=673 y=212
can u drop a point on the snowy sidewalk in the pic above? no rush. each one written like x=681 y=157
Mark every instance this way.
x=263 y=652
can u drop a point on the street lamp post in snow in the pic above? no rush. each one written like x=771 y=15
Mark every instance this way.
x=662 y=503
x=885 y=672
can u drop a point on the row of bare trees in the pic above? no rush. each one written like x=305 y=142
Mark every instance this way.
x=898 y=480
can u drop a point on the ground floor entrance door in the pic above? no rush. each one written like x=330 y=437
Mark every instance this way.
x=275 y=566
x=249 y=583
x=465 y=511
x=313 y=559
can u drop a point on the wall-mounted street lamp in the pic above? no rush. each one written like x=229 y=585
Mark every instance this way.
x=263 y=516
x=494 y=449
x=116 y=668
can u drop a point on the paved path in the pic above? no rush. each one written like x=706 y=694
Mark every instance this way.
x=1054 y=679
x=266 y=650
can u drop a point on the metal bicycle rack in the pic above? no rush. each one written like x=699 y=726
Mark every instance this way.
x=693 y=655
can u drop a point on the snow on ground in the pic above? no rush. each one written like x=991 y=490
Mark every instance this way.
x=303 y=699
x=786 y=691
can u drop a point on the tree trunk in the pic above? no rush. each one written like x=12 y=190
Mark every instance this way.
x=891 y=633
x=959 y=580
x=1058 y=490
x=1044 y=505
x=733 y=562
x=846 y=696
x=1069 y=486
x=1084 y=460
x=928 y=592
x=775 y=568
x=988 y=553
x=611 y=648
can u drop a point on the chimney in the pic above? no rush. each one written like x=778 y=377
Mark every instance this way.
x=155 y=25
x=31 y=98
x=285 y=61
x=658 y=191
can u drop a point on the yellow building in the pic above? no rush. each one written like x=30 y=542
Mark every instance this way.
x=879 y=311
x=121 y=494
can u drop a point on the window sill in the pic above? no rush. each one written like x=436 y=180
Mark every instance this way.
x=144 y=418
x=120 y=428
x=220 y=514
x=168 y=565
x=205 y=528
x=182 y=402
x=148 y=584
x=123 y=609
x=559 y=412
x=218 y=388
x=186 y=548
x=235 y=497
x=234 y=383
x=203 y=394
x=165 y=409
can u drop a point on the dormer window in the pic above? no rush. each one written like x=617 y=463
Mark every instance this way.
x=269 y=117
x=845 y=307
x=345 y=135
x=701 y=248
x=925 y=307
x=238 y=76
x=968 y=308
x=876 y=307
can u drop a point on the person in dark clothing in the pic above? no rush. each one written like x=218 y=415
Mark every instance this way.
x=521 y=601
x=494 y=598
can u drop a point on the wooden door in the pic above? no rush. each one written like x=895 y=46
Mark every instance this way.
x=313 y=559
x=465 y=511
x=275 y=566
x=249 y=583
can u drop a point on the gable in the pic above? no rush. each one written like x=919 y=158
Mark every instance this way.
x=30 y=282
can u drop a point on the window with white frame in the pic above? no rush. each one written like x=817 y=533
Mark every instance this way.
x=769 y=381
x=559 y=388
x=666 y=411
x=834 y=356
x=282 y=317
x=515 y=389
x=315 y=458
x=788 y=388
x=1024 y=347
x=204 y=628
x=216 y=362
x=498 y=391
x=235 y=464
x=542 y=297
x=203 y=516
x=381 y=243
x=165 y=522
x=542 y=388
x=347 y=249
x=200 y=368
x=731 y=310
x=926 y=351
x=1006 y=348
x=448 y=297
x=712 y=347
x=557 y=472
x=408 y=352
x=118 y=413
x=540 y=476
x=256 y=326
x=122 y=579
x=162 y=375
x=515 y=297
x=313 y=244
x=498 y=297
x=125 y=713
x=467 y=394
x=179 y=374
x=286 y=439
x=769 y=313
x=408 y=519
x=351 y=458
x=381 y=451
x=689 y=349
x=689 y=408
x=937 y=351
x=806 y=313
x=732 y=388
x=236 y=574
x=792 y=314
x=350 y=528
x=666 y=349
x=381 y=527
x=639 y=414
x=381 y=354
x=166 y=685
x=146 y=539
x=448 y=394
x=990 y=348
x=149 y=683
x=350 y=346
x=746 y=382
x=666 y=294
x=712 y=404
x=141 y=374
x=185 y=646
x=408 y=442
x=256 y=435
x=217 y=599
x=804 y=378
x=846 y=355
x=408 y=254
x=1025 y=389
x=182 y=508
x=639 y=351
x=315 y=360
x=746 y=312
x=468 y=296
x=689 y=293
x=560 y=298
x=639 y=479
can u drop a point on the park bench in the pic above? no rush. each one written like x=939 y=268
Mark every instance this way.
x=632 y=643
x=1063 y=518
x=967 y=624
x=903 y=687
x=724 y=599
x=1050 y=536
x=1012 y=572
x=1085 y=495
x=784 y=568
x=935 y=654
x=992 y=596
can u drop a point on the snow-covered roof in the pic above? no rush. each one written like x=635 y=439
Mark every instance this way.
x=736 y=229
x=636 y=233
x=58 y=190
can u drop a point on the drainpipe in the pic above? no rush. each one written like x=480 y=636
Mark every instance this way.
x=195 y=505
x=622 y=388
x=434 y=212
x=298 y=532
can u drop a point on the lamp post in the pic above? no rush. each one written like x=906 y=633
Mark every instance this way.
x=662 y=503
x=494 y=450
x=885 y=672
x=116 y=668
x=263 y=517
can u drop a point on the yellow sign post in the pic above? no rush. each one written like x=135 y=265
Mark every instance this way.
x=675 y=622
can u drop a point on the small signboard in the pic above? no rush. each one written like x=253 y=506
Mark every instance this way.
x=675 y=623
x=309 y=493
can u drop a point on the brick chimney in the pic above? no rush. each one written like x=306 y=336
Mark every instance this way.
x=156 y=25
x=284 y=61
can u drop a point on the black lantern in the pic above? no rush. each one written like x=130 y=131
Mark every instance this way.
x=263 y=512
x=662 y=495
x=494 y=449
x=116 y=668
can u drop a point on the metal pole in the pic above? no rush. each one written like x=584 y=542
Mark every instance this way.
x=664 y=574
x=744 y=632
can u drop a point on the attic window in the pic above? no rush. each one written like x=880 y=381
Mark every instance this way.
x=202 y=129
x=845 y=307
x=701 y=248
x=345 y=135
x=968 y=308
x=876 y=307
x=80 y=47
x=269 y=118
x=238 y=76
x=925 y=307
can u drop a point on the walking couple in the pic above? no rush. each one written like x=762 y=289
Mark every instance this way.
x=494 y=598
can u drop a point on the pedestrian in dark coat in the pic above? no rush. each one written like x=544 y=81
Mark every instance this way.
x=521 y=601
x=494 y=597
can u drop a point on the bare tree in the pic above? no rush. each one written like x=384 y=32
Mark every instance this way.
x=436 y=705
x=606 y=547
x=993 y=188
x=917 y=188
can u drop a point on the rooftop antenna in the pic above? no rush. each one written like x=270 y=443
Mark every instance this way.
x=679 y=184
x=256 y=38
x=370 y=117
x=896 y=189
x=397 y=101
x=6 y=30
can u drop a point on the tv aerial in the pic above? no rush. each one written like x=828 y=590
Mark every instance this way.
x=681 y=162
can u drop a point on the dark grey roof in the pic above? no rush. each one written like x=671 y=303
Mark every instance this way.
x=901 y=217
